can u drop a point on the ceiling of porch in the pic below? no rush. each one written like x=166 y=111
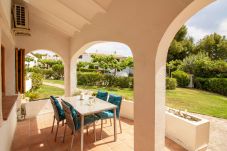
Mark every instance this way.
x=66 y=16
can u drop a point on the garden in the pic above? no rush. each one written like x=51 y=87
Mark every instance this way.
x=201 y=66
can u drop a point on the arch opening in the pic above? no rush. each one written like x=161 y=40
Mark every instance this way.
x=162 y=71
x=44 y=74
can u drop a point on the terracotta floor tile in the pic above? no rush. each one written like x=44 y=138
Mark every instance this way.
x=35 y=135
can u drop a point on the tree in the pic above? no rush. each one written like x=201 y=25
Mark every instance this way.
x=28 y=59
x=58 y=71
x=181 y=46
x=110 y=62
x=215 y=45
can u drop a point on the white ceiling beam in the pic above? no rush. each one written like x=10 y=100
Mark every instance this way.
x=53 y=17
x=97 y=5
x=53 y=21
x=85 y=19
x=76 y=20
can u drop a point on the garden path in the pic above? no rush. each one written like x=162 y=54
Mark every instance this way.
x=54 y=85
x=218 y=133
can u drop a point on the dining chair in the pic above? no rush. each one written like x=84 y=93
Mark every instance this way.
x=59 y=114
x=102 y=95
x=116 y=100
x=73 y=121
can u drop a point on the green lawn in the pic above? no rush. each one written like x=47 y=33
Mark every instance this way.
x=192 y=100
x=198 y=101
x=55 y=81
x=125 y=92
x=45 y=91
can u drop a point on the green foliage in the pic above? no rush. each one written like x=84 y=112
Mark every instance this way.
x=202 y=66
x=98 y=79
x=29 y=59
x=182 y=78
x=48 y=73
x=88 y=70
x=181 y=46
x=37 y=80
x=58 y=71
x=89 y=78
x=124 y=82
x=171 y=83
x=111 y=62
x=49 y=63
x=173 y=66
x=32 y=95
x=217 y=85
x=194 y=64
x=215 y=45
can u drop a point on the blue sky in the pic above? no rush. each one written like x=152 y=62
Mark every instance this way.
x=210 y=19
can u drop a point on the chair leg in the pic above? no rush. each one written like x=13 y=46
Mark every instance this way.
x=53 y=125
x=120 y=125
x=72 y=142
x=94 y=130
x=63 y=122
x=64 y=133
x=87 y=129
x=110 y=122
x=56 y=132
x=101 y=129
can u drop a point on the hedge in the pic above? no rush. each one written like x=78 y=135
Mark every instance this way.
x=182 y=78
x=217 y=85
x=171 y=83
x=99 y=79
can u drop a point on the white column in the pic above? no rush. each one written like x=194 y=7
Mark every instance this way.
x=73 y=76
x=148 y=110
x=67 y=77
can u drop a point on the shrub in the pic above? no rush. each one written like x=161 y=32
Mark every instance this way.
x=98 y=79
x=217 y=85
x=37 y=80
x=48 y=73
x=171 y=83
x=124 y=82
x=89 y=78
x=32 y=95
x=182 y=78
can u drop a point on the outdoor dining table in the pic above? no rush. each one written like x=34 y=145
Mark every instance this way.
x=91 y=106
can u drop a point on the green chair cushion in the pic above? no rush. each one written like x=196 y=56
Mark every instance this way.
x=102 y=95
x=59 y=108
x=72 y=109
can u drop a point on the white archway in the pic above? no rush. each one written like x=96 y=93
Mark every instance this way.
x=161 y=56
x=73 y=62
x=52 y=51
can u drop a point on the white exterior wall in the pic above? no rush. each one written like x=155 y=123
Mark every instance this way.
x=7 y=130
x=85 y=58
x=43 y=37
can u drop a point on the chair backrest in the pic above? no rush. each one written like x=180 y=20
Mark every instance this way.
x=102 y=95
x=56 y=114
x=116 y=100
x=68 y=116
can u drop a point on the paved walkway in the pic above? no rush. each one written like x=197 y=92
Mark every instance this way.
x=218 y=133
x=54 y=85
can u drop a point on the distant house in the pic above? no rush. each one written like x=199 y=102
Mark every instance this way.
x=52 y=57
x=87 y=57
x=32 y=63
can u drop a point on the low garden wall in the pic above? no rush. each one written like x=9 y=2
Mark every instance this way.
x=39 y=107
